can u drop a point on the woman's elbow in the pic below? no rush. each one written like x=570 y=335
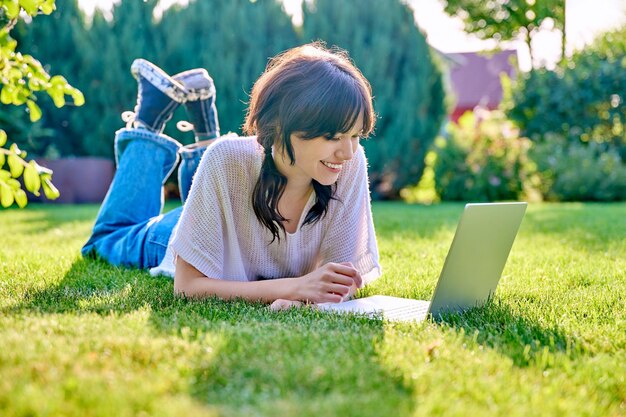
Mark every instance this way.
x=183 y=284
x=179 y=288
x=184 y=278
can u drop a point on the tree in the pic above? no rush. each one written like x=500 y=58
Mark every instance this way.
x=100 y=59
x=113 y=46
x=392 y=53
x=21 y=76
x=509 y=19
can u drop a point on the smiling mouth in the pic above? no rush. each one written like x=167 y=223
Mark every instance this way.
x=331 y=165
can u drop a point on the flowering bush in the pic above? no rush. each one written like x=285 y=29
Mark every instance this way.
x=482 y=159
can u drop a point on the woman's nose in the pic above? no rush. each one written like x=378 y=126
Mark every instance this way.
x=346 y=149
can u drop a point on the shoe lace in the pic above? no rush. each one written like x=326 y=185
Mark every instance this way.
x=184 y=126
x=129 y=118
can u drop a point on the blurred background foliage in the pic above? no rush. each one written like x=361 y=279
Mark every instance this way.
x=581 y=100
x=483 y=159
x=233 y=40
x=407 y=82
x=558 y=136
x=575 y=117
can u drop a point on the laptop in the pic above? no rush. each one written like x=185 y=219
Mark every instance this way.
x=470 y=274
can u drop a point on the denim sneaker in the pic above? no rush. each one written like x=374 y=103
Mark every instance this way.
x=157 y=97
x=199 y=104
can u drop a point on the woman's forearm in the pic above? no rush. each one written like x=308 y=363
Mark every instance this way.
x=331 y=282
x=190 y=282
x=264 y=291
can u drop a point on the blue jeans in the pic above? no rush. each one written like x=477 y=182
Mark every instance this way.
x=130 y=229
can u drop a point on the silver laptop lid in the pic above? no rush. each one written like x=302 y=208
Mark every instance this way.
x=477 y=256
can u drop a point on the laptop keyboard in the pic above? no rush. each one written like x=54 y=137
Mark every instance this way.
x=411 y=312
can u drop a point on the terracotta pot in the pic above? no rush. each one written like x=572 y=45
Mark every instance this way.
x=79 y=180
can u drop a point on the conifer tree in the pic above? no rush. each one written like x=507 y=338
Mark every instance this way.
x=113 y=45
x=232 y=40
x=386 y=45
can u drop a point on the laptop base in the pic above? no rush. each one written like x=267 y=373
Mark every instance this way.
x=383 y=306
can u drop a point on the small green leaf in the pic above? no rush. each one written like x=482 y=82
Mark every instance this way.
x=50 y=190
x=3 y=139
x=14 y=74
x=15 y=165
x=29 y=6
x=11 y=45
x=48 y=7
x=78 y=97
x=6 y=195
x=20 y=95
x=6 y=96
x=31 y=178
x=56 y=93
x=34 y=84
x=58 y=81
x=35 y=111
x=13 y=8
x=16 y=150
x=14 y=184
x=20 y=198
x=59 y=101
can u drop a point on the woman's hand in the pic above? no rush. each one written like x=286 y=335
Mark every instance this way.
x=330 y=283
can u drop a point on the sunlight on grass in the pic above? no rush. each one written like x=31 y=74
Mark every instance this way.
x=113 y=365
x=93 y=339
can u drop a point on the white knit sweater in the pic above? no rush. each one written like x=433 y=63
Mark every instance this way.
x=219 y=234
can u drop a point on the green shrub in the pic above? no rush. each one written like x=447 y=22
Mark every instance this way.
x=481 y=160
x=577 y=172
x=487 y=160
x=424 y=192
x=583 y=100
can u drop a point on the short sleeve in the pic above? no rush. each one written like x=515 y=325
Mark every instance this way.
x=199 y=238
x=349 y=233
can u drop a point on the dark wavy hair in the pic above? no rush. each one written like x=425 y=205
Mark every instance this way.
x=314 y=91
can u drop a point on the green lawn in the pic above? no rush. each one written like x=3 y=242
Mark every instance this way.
x=83 y=338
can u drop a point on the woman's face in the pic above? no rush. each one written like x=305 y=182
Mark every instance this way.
x=320 y=158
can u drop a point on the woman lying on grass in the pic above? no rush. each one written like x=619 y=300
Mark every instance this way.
x=282 y=217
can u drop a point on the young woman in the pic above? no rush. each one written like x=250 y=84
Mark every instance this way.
x=282 y=217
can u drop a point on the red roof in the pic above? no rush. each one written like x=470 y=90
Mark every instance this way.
x=476 y=78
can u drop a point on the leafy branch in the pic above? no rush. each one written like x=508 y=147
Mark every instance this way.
x=34 y=175
x=21 y=76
